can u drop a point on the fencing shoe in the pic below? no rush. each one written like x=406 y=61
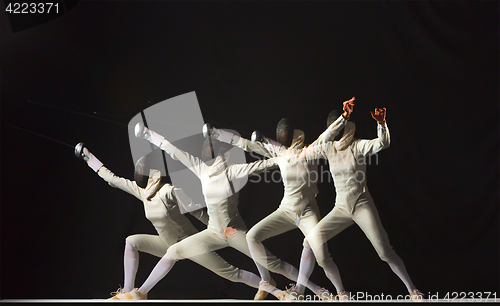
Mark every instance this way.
x=325 y=295
x=343 y=296
x=416 y=295
x=133 y=295
x=115 y=293
x=262 y=293
x=283 y=295
x=292 y=291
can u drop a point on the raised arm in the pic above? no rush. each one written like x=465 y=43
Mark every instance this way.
x=335 y=128
x=332 y=131
x=368 y=147
x=98 y=167
x=261 y=148
x=120 y=182
x=193 y=163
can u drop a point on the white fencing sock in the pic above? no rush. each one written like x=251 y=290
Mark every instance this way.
x=285 y=269
x=333 y=274
x=398 y=267
x=288 y=271
x=249 y=278
x=130 y=266
x=257 y=250
x=307 y=263
x=160 y=270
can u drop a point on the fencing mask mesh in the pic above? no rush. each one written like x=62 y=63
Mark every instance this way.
x=284 y=132
x=154 y=160
x=212 y=148
x=347 y=137
x=332 y=116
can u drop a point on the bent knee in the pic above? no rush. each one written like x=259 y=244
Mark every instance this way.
x=324 y=262
x=305 y=243
x=172 y=252
x=131 y=242
x=254 y=236
x=233 y=274
x=387 y=255
x=324 y=259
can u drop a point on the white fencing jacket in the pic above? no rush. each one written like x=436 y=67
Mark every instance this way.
x=348 y=167
x=222 y=205
x=162 y=210
x=300 y=188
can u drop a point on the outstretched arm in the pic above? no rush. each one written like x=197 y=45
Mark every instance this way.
x=315 y=151
x=368 y=147
x=113 y=180
x=191 y=162
x=242 y=170
x=120 y=182
x=260 y=147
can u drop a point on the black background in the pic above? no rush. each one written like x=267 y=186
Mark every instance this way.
x=433 y=65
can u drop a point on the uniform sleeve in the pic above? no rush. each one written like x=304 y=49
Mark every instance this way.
x=316 y=151
x=367 y=147
x=166 y=193
x=119 y=182
x=264 y=149
x=201 y=214
x=332 y=131
x=191 y=162
x=181 y=198
x=242 y=170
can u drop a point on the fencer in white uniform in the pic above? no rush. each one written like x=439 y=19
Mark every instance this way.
x=161 y=204
x=298 y=208
x=353 y=204
x=226 y=228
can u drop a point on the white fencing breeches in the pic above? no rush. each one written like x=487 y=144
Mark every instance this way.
x=281 y=221
x=200 y=248
x=151 y=244
x=365 y=215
